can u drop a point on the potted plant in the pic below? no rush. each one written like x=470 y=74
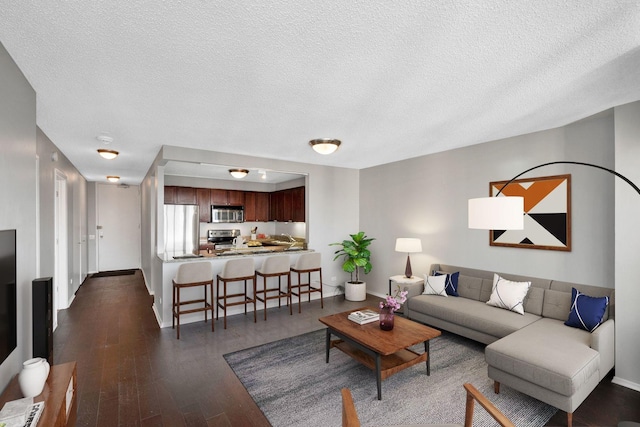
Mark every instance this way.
x=356 y=258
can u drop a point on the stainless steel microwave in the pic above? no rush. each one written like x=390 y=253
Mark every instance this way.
x=223 y=213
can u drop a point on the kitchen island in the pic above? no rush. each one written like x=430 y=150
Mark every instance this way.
x=172 y=261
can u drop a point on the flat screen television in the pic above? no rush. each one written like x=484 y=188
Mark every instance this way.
x=8 y=332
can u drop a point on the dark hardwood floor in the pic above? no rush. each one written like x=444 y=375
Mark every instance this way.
x=132 y=373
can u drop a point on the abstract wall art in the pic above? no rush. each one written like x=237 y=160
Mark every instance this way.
x=547 y=213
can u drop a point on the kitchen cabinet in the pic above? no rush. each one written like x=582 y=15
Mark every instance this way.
x=169 y=195
x=298 y=204
x=288 y=205
x=203 y=195
x=174 y=195
x=227 y=197
x=256 y=206
x=276 y=206
x=259 y=206
x=185 y=196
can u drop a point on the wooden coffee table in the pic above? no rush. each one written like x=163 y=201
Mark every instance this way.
x=385 y=352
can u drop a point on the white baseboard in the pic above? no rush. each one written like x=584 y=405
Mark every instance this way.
x=626 y=383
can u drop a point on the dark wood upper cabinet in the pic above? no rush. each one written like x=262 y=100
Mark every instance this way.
x=204 y=202
x=256 y=206
x=227 y=197
x=298 y=205
x=259 y=206
x=218 y=197
x=169 y=195
x=262 y=206
x=287 y=205
x=180 y=195
x=235 y=197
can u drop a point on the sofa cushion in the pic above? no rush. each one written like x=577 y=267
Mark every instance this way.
x=547 y=353
x=508 y=295
x=586 y=312
x=469 y=287
x=471 y=314
x=451 y=284
x=435 y=285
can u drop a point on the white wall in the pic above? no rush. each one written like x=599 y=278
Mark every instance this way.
x=426 y=197
x=18 y=195
x=627 y=248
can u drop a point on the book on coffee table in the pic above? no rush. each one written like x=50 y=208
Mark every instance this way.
x=364 y=316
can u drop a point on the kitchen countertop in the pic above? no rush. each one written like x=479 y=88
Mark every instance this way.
x=231 y=253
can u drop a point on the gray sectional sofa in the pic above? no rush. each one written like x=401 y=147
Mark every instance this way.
x=534 y=353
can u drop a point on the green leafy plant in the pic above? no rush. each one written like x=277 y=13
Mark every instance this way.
x=355 y=254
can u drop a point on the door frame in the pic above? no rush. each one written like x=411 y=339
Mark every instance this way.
x=61 y=246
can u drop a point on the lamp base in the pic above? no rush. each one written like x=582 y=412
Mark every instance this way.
x=407 y=271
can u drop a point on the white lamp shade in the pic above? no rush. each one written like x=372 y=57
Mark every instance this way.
x=408 y=245
x=496 y=213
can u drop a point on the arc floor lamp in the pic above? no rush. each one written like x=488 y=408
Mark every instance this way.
x=507 y=212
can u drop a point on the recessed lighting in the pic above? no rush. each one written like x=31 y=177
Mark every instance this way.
x=113 y=178
x=325 y=145
x=238 y=173
x=108 y=154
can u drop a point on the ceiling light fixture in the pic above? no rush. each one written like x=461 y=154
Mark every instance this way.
x=325 y=145
x=113 y=178
x=238 y=173
x=108 y=154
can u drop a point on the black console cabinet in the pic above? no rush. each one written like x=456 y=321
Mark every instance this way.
x=42 y=304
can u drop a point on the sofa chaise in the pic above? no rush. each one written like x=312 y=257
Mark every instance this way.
x=533 y=352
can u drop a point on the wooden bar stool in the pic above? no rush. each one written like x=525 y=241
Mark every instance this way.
x=236 y=270
x=275 y=266
x=307 y=263
x=190 y=275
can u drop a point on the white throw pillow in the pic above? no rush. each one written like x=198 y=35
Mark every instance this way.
x=507 y=294
x=435 y=285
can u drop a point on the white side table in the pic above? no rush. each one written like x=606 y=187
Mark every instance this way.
x=404 y=280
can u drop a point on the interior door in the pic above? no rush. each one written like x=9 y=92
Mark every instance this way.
x=118 y=227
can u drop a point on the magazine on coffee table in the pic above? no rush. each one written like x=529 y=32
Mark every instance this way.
x=364 y=316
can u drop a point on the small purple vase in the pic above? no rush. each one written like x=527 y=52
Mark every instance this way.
x=386 y=318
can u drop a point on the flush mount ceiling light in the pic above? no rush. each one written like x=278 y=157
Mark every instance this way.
x=325 y=145
x=238 y=173
x=113 y=178
x=108 y=154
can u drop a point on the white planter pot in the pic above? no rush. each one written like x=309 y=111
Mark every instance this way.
x=355 y=291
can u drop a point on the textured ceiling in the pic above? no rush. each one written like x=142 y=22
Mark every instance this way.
x=391 y=79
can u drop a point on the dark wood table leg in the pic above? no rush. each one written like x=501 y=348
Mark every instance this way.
x=426 y=350
x=379 y=375
x=328 y=344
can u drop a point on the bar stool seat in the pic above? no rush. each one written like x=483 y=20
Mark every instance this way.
x=190 y=275
x=236 y=270
x=307 y=263
x=275 y=266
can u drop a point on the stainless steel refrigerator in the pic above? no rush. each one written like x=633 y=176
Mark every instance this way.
x=181 y=230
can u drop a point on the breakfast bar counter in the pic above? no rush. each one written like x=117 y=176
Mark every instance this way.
x=172 y=261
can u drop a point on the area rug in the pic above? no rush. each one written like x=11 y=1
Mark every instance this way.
x=293 y=386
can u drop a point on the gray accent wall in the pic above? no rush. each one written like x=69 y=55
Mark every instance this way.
x=426 y=197
x=18 y=195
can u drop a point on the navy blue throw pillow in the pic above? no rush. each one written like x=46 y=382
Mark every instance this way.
x=451 y=282
x=586 y=312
